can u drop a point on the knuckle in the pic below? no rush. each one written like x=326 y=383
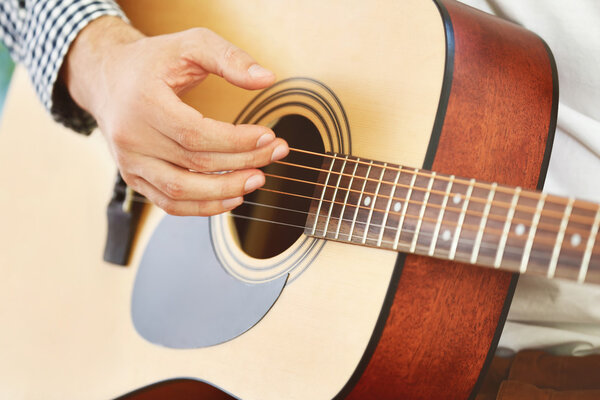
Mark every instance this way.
x=174 y=190
x=132 y=181
x=234 y=58
x=233 y=189
x=204 y=210
x=121 y=138
x=168 y=205
x=250 y=160
x=200 y=161
x=190 y=140
x=235 y=140
x=123 y=161
x=200 y=31
x=239 y=142
x=210 y=208
x=222 y=188
x=261 y=158
x=258 y=158
x=231 y=53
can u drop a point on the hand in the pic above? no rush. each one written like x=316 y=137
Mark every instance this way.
x=131 y=85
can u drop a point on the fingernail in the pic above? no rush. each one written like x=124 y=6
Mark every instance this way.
x=232 y=203
x=256 y=71
x=265 y=139
x=254 y=182
x=279 y=152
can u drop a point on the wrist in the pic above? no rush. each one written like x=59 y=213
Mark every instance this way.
x=85 y=66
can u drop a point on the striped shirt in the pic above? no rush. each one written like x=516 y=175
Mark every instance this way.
x=38 y=34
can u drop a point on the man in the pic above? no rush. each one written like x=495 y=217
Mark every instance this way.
x=90 y=66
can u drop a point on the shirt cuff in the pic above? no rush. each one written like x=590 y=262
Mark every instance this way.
x=49 y=49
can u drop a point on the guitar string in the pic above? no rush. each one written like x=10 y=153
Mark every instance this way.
x=428 y=174
x=508 y=250
x=472 y=228
x=573 y=218
x=524 y=193
x=490 y=216
x=380 y=226
x=552 y=229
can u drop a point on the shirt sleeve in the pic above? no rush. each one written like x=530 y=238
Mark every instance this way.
x=38 y=34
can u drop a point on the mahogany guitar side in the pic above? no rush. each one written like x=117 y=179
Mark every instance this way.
x=445 y=318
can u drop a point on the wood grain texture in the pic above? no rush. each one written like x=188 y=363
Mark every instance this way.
x=444 y=315
x=352 y=204
x=178 y=389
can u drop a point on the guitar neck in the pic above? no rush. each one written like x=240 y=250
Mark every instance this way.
x=417 y=211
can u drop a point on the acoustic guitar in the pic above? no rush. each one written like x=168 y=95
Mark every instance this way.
x=345 y=276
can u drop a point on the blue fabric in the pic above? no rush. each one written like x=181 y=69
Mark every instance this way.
x=6 y=69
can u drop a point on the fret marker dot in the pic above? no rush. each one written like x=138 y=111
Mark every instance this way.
x=576 y=240
x=520 y=229
x=367 y=201
x=446 y=235
x=456 y=199
x=397 y=206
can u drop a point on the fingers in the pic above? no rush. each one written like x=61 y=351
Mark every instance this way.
x=218 y=56
x=180 y=184
x=187 y=126
x=163 y=148
x=175 y=207
x=157 y=139
x=212 y=161
x=194 y=132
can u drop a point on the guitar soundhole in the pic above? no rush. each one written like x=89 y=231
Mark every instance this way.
x=275 y=218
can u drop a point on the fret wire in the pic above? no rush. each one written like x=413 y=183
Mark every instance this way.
x=582 y=273
x=387 y=209
x=418 y=250
x=416 y=202
x=588 y=248
x=404 y=208
x=472 y=199
x=337 y=231
x=438 y=223
x=142 y=199
x=559 y=238
x=532 y=231
x=425 y=173
x=461 y=219
x=413 y=245
x=364 y=239
x=504 y=237
x=484 y=218
x=334 y=196
x=318 y=213
x=359 y=201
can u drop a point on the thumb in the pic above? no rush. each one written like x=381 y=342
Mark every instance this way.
x=216 y=55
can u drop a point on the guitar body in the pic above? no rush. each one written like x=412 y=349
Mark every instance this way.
x=418 y=83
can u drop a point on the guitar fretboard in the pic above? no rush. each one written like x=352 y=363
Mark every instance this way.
x=417 y=211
